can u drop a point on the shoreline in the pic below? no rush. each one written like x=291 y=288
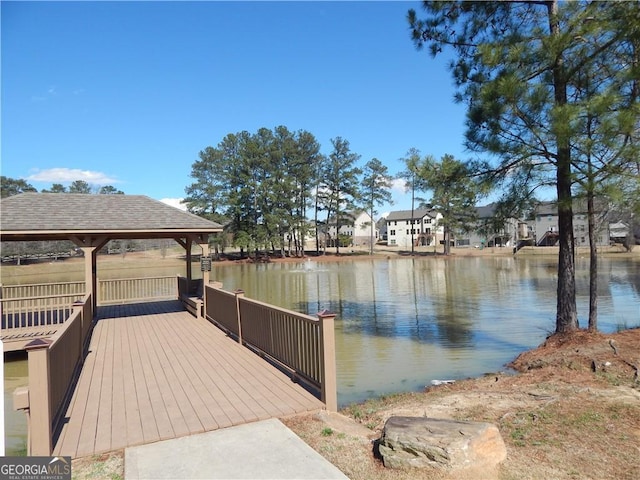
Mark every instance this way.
x=154 y=258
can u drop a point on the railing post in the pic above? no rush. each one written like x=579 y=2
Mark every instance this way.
x=79 y=304
x=329 y=389
x=239 y=293
x=39 y=398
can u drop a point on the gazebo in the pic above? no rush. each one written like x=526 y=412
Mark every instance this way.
x=90 y=221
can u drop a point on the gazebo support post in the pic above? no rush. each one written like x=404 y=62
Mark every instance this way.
x=90 y=273
x=187 y=247
x=205 y=254
x=204 y=244
x=90 y=248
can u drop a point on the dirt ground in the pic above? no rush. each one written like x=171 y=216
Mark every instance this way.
x=572 y=411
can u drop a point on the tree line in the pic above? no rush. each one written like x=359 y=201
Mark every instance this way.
x=261 y=186
x=13 y=186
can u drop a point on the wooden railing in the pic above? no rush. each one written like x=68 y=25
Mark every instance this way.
x=302 y=344
x=131 y=290
x=222 y=308
x=54 y=365
x=42 y=290
x=37 y=311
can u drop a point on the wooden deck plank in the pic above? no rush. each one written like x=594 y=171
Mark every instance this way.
x=276 y=392
x=158 y=372
x=212 y=355
x=105 y=400
x=147 y=420
x=217 y=384
x=215 y=355
x=160 y=415
x=229 y=369
x=92 y=413
x=133 y=423
x=89 y=425
x=184 y=419
x=193 y=387
x=266 y=385
x=119 y=413
x=234 y=407
x=224 y=413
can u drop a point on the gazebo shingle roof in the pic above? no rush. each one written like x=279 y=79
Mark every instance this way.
x=45 y=213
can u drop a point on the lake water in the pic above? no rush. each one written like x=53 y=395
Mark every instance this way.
x=403 y=322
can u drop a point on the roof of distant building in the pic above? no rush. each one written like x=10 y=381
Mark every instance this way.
x=411 y=214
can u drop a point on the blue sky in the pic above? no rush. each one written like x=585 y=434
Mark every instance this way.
x=128 y=93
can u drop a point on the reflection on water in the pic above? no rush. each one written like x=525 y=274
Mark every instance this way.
x=404 y=322
x=15 y=423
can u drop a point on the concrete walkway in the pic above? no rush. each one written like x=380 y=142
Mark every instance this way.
x=260 y=450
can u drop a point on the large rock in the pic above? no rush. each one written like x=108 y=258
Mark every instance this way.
x=447 y=444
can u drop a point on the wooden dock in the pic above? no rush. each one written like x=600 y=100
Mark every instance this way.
x=156 y=372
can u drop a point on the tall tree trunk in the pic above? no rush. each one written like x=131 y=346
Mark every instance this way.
x=372 y=232
x=315 y=221
x=338 y=230
x=447 y=240
x=593 y=266
x=566 y=317
x=326 y=228
x=566 y=312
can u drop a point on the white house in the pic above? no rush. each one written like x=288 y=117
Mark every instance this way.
x=419 y=226
x=357 y=226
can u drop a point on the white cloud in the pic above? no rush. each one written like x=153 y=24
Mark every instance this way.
x=398 y=185
x=175 y=202
x=68 y=175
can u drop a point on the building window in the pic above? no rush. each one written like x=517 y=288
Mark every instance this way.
x=392 y=232
x=407 y=231
x=392 y=241
x=427 y=220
